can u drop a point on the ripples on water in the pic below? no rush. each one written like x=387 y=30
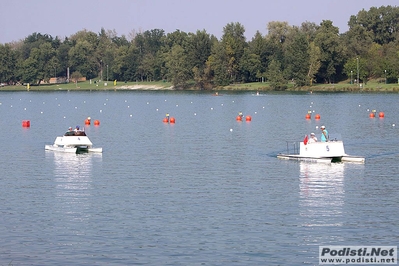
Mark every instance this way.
x=207 y=190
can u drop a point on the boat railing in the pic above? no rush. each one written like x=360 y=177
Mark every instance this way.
x=75 y=133
x=292 y=147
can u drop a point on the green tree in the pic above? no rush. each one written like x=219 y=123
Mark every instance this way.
x=8 y=63
x=179 y=73
x=296 y=59
x=249 y=66
x=258 y=47
x=382 y=23
x=233 y=41
x=82 y=58
x=275 y=76
x=314 y=61
x=199 y=48
x=328 y=40
x=76 y=76
x=219 y=65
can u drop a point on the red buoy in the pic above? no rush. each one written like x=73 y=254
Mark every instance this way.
x=25 y=123
x=172 y=120
x=239 y=118
x=317 y=116
x=87 y=122
x=381 y=114
x=371 y=115
x=165 y=120
x=96 y=122
x=248 y=118
x=308 y=116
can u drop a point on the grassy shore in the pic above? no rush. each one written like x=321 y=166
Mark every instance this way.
x=372 y=86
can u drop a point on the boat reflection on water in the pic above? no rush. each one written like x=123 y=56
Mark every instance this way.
x=73 y=177
x=322 y=194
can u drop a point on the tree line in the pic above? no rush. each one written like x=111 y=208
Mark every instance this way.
x=300 y=54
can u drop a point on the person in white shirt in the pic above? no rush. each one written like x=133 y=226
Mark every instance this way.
x=313 y=138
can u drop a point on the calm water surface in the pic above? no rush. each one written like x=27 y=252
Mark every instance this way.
x=207 y=190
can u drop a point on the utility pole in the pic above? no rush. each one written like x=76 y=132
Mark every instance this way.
x=357 y=59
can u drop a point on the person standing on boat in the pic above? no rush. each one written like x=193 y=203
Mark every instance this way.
x=324 y=134
x=313 y=138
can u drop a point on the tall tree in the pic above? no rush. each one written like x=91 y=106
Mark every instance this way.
x=314 y=61
x=275 y=76
x=296 y=59
x=199 y=47
x=332 y=57
x=258 y=47
x=249 y=66
x=8 y=64
x=233 y=41
x=382 y=23
x=179 y=73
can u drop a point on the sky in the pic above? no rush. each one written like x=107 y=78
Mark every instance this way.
x=21 y=18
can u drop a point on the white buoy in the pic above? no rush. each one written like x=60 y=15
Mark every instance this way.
x=231 y=130
x=211 y=108
x=393 y=125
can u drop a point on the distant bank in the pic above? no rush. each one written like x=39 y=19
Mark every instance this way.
x=166 y=86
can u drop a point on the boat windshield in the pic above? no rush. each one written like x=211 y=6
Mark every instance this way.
x=75 y=133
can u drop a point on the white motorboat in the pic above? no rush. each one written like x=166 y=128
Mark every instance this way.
x=322 y=152
x=73 y=142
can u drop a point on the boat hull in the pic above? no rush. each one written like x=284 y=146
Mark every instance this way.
x=60 y=149
x=73 y=144
x=306 y=159
x=323 y=152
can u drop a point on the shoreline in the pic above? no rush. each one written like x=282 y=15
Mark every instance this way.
x=391 y=88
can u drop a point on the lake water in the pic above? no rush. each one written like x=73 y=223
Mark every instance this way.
x=207 y=190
